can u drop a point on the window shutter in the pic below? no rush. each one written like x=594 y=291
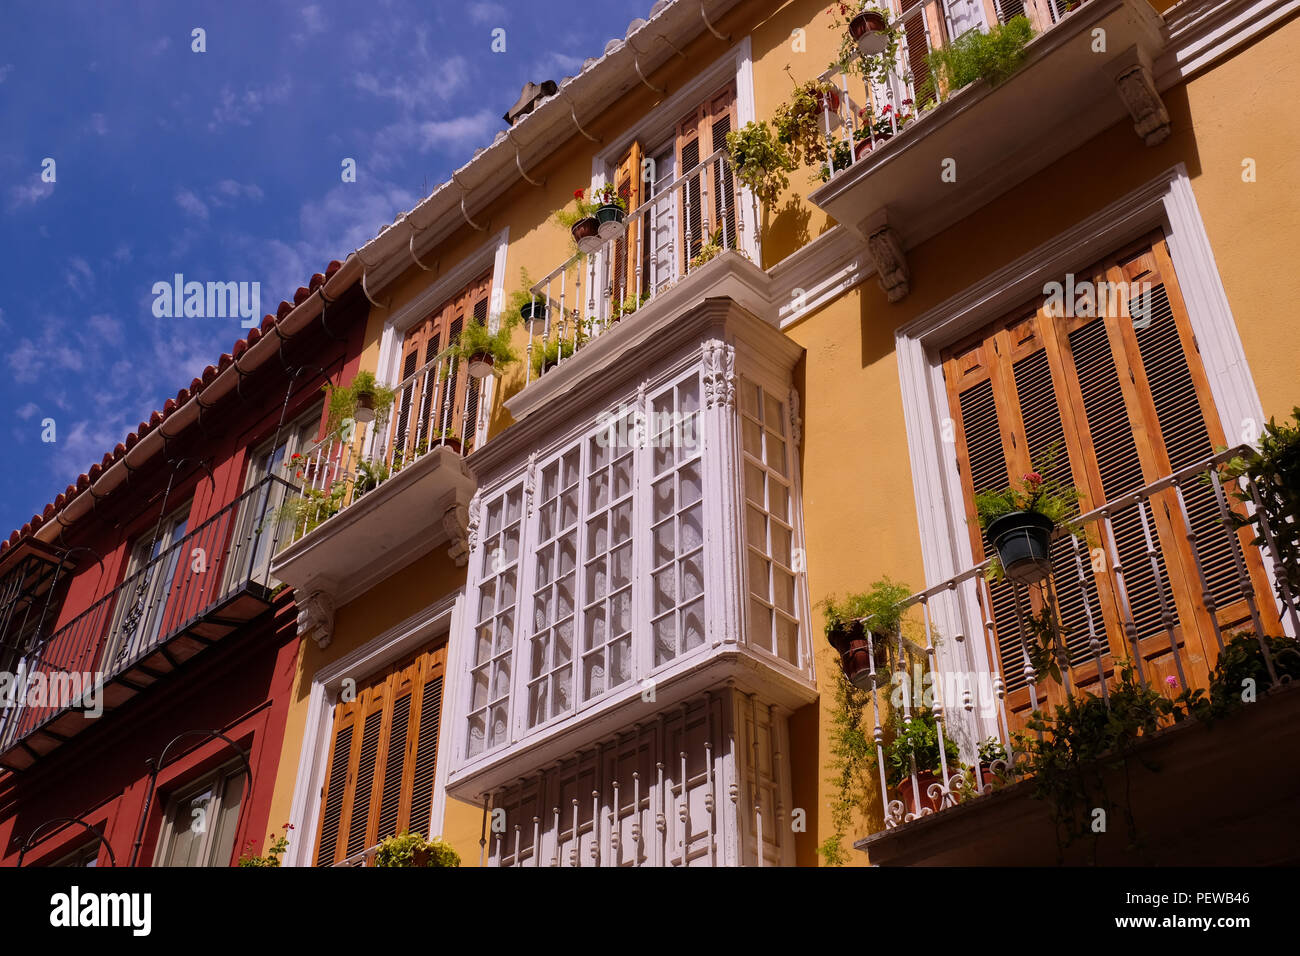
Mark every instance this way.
x=688 y=158
x=381 y=783
x=627 y=279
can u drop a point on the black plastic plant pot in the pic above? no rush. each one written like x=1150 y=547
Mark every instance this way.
x=365 y=410
x=610 y=216
x=480 y=365
x=533 y=311
x=853 y=643
x=1022 y=540
x=871 y=33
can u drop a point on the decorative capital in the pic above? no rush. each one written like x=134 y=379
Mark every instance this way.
x=316 y=618
x=530 y=485
x=796 y=423
x=718 y=360
x=472 y=521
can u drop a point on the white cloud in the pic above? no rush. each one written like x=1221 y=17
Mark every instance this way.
x=392 y=144
x=312 y=21
x=239 y=108
x=487 y=13
x=27 y=411
x=5 y=71
x=236 y=190
x=79 y=276
x=29 y=195
x=106 y=327
x=422 y=87
x=191 y=204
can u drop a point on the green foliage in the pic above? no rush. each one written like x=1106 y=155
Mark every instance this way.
x=412 y=849
x=1041 y=490
x=991 y=56
x=853 y=755
x=1275 y=470
x=710 y=250
x=521 y=297
x=551 y=351
x=760 y=161
x=842 y=153
x=849 y=58
x=476 y=339
x=312 y=507
x=798 y=123
x=278 y=846
x=631 y=302
x=882 y=605
x=1073 y=747
x=343 y=400
x=370 y=474
x=916 y=738
x=581 y=208
x=1241 y=672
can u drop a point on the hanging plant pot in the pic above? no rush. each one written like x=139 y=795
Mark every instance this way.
x=586 y=233
x=534 y=314
x=871 y=33
x=480 y=365
x=828 y=110
x=365 y=410
x=1022 y=540
x=853 y=642
x=449 y=442
x=610 y=217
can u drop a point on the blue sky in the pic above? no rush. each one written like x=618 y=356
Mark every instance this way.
x=224 y=166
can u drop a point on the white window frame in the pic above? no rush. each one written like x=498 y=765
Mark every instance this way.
x=218 y=779
x=1166 y=202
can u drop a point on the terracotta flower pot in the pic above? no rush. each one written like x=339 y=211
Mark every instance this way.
x=586 y=233
x=923 y=780
x=480 y=365
x=871 y=33
x=853 y=642
x=452 y=443
x=1022 y=540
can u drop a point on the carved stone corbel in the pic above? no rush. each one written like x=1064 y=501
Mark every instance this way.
x=455 y=522
x=1131 y=72
x=719 y=365
x=316 y=618
x=886 y=251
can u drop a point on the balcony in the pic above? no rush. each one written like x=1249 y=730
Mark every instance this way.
x=379 y=495
x=194 y=593
x=1145 y=607
x=973 y=144
x=648 y=265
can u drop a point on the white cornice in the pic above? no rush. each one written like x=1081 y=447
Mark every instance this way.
x=1202 y=32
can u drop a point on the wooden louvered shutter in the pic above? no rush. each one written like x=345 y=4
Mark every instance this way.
x=699 y=135
x=383 y=759
x=627 y=278
x=921 y=19
x=1130 y=405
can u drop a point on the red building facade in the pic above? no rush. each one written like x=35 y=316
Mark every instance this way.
x=146 y=653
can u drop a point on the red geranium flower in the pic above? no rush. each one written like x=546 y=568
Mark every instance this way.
x=577 y=193
x=1034 y=478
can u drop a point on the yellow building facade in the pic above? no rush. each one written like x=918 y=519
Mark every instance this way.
x=969 y=213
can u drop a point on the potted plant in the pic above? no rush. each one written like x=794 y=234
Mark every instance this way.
x=485 y=351
x=842 y=154
x=801 y=123
x=869 y=40
x=412 y=849
x=869 y=28
x=370 y=475
x=859 y=628
x=710 y=250
x=991 y=751
x=1018 y=521
x=631 y=302
x=447 y=438
x=279 y=844
x=915 y=740
x=552 y=351
x=360 y=400
x=611 y=208
x=976 y=55
x=524 y=306
x=759 y=160
x=581 y=221
x=872 y=127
